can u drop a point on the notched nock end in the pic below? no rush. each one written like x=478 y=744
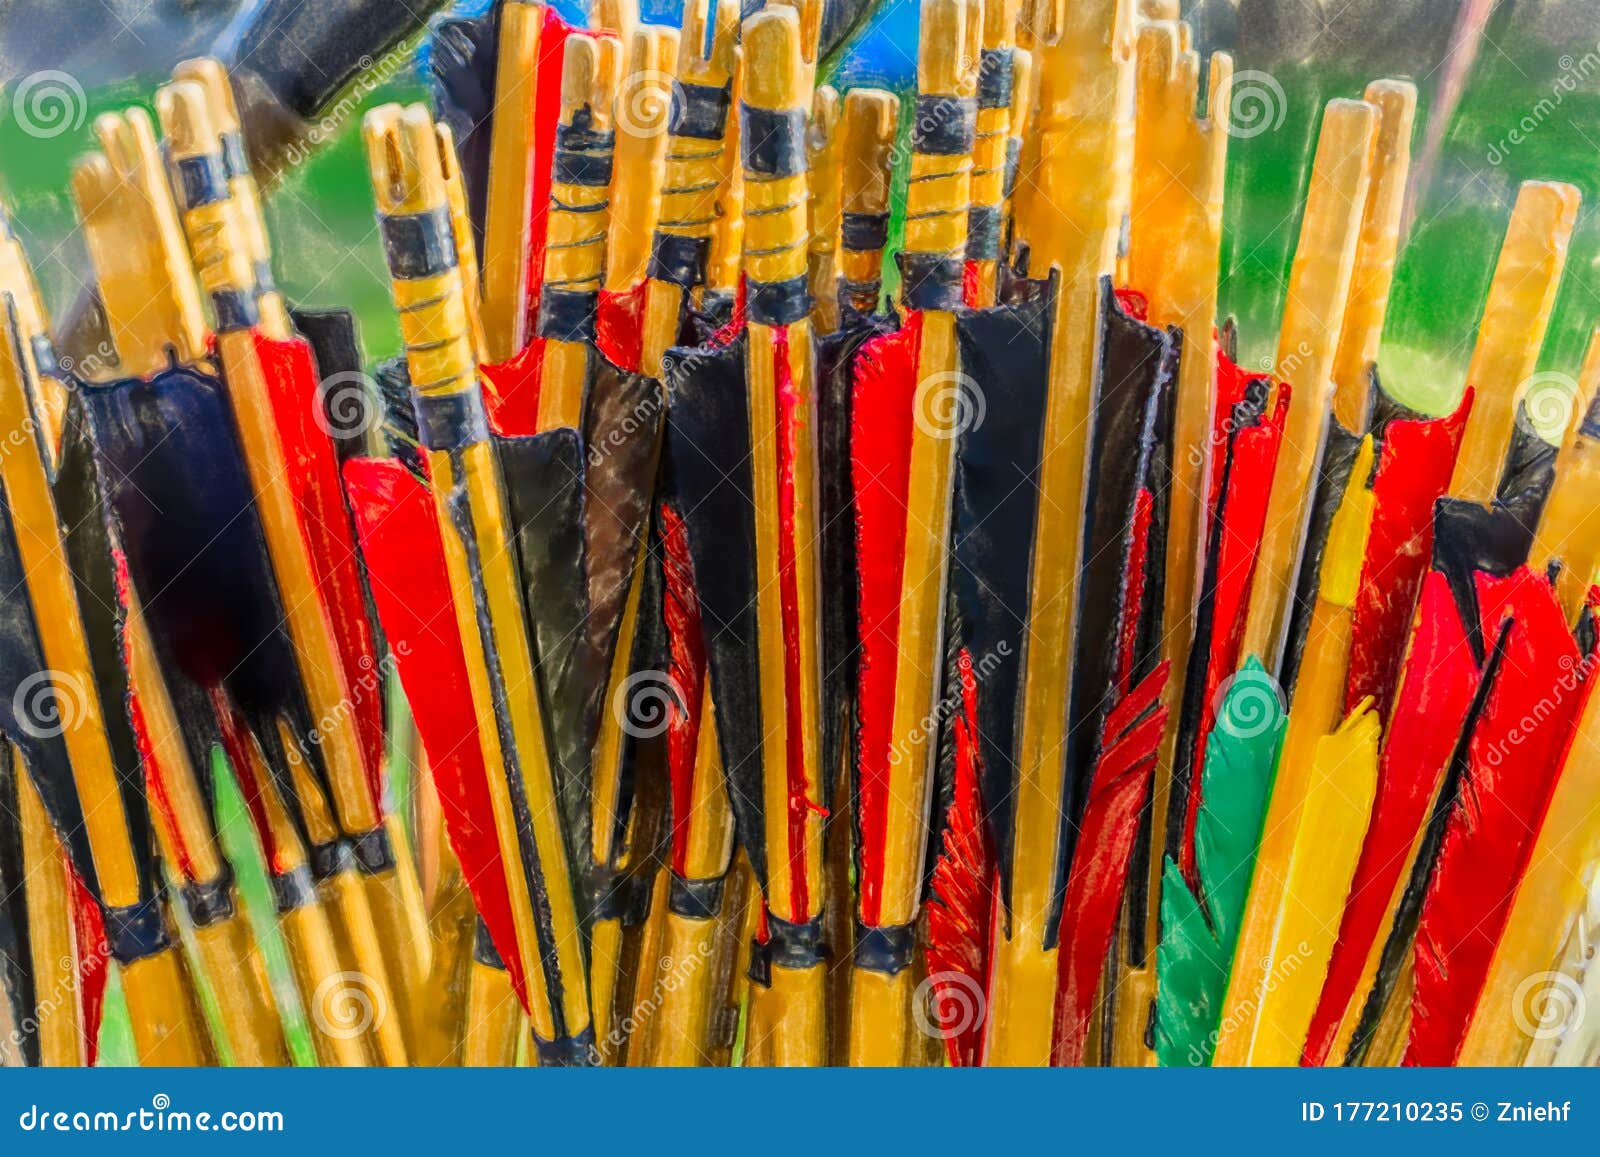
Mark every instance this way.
x=948 y=55
x=774 y=74
x=186 y=121
x=210 y=74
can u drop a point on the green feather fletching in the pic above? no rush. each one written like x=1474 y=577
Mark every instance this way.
x=1196 y=953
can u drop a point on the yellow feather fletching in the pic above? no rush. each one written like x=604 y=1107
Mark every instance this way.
x=1328 y=837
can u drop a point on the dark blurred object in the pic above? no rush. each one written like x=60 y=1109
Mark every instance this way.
x=290 y=58
x=102 y=42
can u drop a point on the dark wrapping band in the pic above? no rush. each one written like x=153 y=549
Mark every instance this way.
x=777 y=302
x=859 y=231
x=678 y=259
x=418 y=245
x=451 y=421
x=235 y=309
x=202 y=180
x=945 y=126
x=293 y=889
x=328 y=860
x=983 y=233
x=264 y=281
x=793 y=946
x=568 y=1052
x=860 y=288
x=1589 y=428
x=695 y=899
x=699 y=111
x=373 y=852
x=234 y=161
x=567 y=314
x=1013 y=158
x=995 y=78
x=888 y=950
x=717 y=305
x=930 y=281
x=137 y=931
x=483 y=949
x=773 y=140
x=616 y=895
x=583 y=156
x=209 y=901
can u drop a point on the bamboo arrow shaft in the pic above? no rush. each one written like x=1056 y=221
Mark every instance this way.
x=480 y=561
x=1313 y=316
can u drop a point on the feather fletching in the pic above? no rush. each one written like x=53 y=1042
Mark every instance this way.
x=1333 y=820
x=1196 y=949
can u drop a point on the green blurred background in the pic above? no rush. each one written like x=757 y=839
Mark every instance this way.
x=1532 y=67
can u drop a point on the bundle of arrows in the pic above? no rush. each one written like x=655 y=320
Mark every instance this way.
x=806 y=650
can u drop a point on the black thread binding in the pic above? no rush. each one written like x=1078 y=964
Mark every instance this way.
x=293 y=889
x=983 y=233
x=209 y=901
x=773 y=141
x=451 y=421
x=583 y=155
x=930 y=280
x=695 y=899
x=328 y=860
x=202 y=179
x=418 y=245
x=678 y=259
x=373 y=852
x=995 y=78
x=889 y=949
x=699 y=111
x=1013 y=157
x=567 y=314
x=777 y=302
x=136 y=931
x=864 y=231
x=567 y=1052
x=235 y=309
x=945 y=126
